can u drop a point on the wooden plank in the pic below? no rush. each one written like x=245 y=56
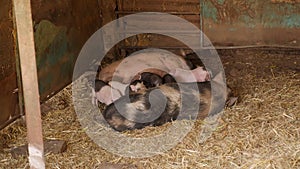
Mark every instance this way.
x=24 y=25
x=8 y=100
x=160 y=5
x=157 y=41
x=231 y=23
x=8 y=82
x=60 y=30
x=186 y=9
x=158 y=22
x=194 y=19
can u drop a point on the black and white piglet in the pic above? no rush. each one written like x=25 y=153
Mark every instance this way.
x=158 y=105
x=162 y=104
x=148 y=80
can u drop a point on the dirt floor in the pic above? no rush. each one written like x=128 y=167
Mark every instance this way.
x=261 y=131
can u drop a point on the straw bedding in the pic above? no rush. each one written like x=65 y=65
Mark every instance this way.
x=261 y=131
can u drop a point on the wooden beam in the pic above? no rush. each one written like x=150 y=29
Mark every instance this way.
x=25 y=38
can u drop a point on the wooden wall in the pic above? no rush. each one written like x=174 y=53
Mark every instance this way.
x=60 y=30
x=8 y=75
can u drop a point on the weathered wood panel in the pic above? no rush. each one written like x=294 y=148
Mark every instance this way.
x=187 y=6
x=187 y=9
x=252 y=22
x=225 y=22
x=8 y=77
x=61 y=29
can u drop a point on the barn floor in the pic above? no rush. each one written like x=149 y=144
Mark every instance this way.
x=261 y=131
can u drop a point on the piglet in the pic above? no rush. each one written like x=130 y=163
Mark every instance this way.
x=136 y=86
x=151 y=80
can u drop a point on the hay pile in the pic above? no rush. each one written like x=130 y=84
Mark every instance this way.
x=261 y=131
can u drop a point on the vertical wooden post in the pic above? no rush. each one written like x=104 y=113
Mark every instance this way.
x=23 y=16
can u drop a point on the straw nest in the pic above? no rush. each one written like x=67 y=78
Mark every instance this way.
x=261 y=131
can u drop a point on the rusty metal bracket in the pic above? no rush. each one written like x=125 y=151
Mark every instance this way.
x=23 y=16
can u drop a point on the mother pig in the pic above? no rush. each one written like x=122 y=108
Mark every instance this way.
x=154 y=61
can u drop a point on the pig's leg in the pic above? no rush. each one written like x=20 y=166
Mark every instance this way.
x=189 y=76
x=201 y=74
x=182 y=75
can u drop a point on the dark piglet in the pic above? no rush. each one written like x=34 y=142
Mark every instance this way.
x=135 y=86
x=151 y=79
x=159 y=105
x=167 y=78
